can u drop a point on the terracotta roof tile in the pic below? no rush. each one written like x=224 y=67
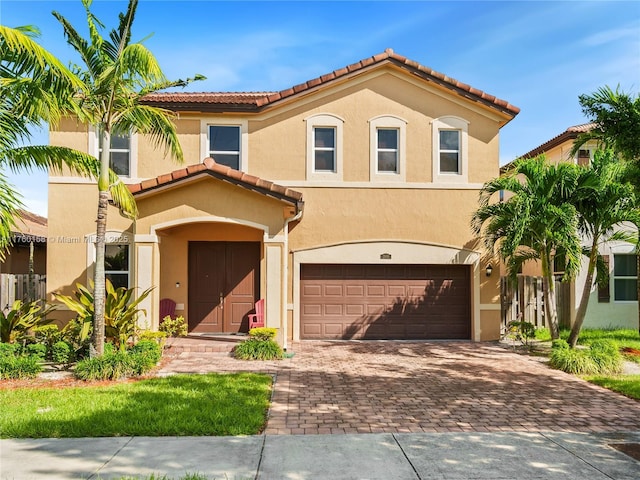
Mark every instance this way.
x=29 y=225
x=254 y=101
x=570 y=133
x=224 y=173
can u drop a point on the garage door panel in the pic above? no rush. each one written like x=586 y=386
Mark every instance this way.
x=386 y=301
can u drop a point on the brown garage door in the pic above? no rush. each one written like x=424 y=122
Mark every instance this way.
x=385 y=301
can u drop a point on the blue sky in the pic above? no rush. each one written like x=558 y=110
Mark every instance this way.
x=539 y=56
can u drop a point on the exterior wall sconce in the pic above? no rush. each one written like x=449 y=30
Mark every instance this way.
x=177 y=284
x=489 y=270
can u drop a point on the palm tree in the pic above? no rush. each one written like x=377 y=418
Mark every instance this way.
x=536 y=222
x=116 y=74
x=604 y=205
x=616 y=116
x=35 y=88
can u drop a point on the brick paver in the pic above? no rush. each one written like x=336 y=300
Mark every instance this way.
x=408 y=387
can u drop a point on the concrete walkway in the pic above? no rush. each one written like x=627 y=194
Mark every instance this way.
x=445 y=456
x=423 y=387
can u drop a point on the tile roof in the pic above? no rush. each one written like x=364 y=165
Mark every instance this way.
x=30 y=225
x=570 y=133
x=256 y=101
x=224 y=173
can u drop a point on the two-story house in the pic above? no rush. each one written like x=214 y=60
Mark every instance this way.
x=616 y=304
x=344 y=202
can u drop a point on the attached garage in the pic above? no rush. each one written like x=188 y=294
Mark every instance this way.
x=385 y=301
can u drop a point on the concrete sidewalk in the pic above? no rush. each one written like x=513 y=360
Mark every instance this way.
x=480 y=456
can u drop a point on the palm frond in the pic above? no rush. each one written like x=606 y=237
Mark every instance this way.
x=10 y=206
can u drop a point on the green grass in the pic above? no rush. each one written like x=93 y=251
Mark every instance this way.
x=628 y=385
x=212 y=404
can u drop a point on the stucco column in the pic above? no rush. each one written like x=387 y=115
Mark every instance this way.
x=274 y=278
x=147 y=274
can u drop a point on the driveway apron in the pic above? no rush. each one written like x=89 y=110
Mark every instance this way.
x=415 y=387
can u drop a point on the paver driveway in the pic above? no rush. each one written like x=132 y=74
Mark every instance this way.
x=395 y=387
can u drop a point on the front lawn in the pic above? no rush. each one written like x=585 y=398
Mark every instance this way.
x=628 y=385
x=212 y=404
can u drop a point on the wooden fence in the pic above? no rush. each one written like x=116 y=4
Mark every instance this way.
x=16 y=287
x=524 y=301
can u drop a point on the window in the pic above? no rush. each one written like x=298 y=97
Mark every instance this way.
x=625 y=277
x=116 y=264
x=324 y=147
x=584 y=157
x=450 y=157
x=119 y=152
x=387 y=146
x=449 y=151
x=224 y=145
x=387 y=150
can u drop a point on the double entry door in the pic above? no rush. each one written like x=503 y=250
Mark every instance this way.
x=223 y=285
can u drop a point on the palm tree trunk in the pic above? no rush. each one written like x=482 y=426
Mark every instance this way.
x=550 y=296
x=101 y=228
x=586 y=293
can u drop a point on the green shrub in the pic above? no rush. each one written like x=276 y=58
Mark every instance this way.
x=21 y=317
x=158 y=337
x=118 y=364
x=77 y=333
x=37 y=349
x=11 y=366
x=120 y=310
x=606 y=355
x=47 y=335
x=521 y=331
x=254 y=349
x=8 y=349
x=602 y=358
x=62 y=353
x=174 y=327
x=263 y=333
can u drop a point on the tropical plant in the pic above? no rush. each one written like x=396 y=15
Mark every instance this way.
x=21 y=317
x=607 y=207
x=616 y=118
x=116 y=74
x=174 y=327
x=259 y=346
x=537 y=221
x=121 y=310
x=36 y=88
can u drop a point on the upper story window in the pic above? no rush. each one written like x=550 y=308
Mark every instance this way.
x=387 y=150
x=324 y=147
x=625 y=277
x=120 y=152
x=226 y=141
x=584 y=157
x=387 y=146
x=450 y=155
x=224 y=145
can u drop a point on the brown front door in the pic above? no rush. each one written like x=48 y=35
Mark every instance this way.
x=223 y=285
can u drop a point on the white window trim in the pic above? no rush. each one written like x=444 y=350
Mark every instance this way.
x=111 y=236
x=94 y=149
x=613 y=275
x=331 y=121
x=389 y=122
x=450 y=123
x=226 y=122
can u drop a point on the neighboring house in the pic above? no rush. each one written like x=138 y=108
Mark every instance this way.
x=617 y=304
x=31 y=229
x=29 y=242
x=344 y=202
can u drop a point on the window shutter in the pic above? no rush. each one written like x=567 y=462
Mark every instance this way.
x=604 y=295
